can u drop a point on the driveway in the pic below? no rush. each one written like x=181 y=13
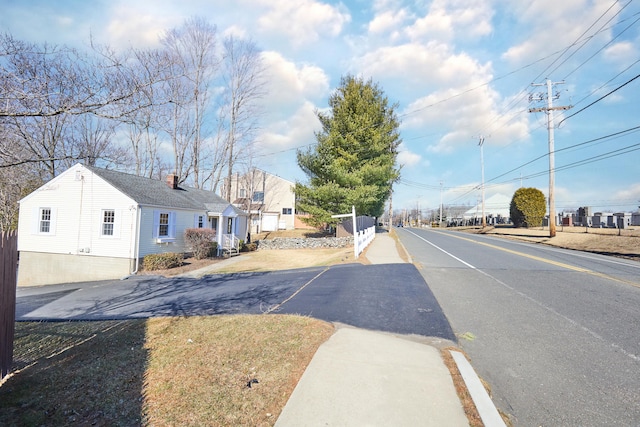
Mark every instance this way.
x=387 y=297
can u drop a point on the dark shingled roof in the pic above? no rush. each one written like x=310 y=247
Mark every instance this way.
x=151 y=192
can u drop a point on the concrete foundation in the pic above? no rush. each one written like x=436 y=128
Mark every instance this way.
x=38 y=268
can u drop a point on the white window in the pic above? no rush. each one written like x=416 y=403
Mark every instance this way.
x=258 y=196
x=198 y=221
x=286 y=211
x=108 y=222
x=45 y=221
x=163 y=229
x=164 y=225
x=243 y=193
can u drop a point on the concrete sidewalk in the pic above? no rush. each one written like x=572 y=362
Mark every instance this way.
x=366 y=378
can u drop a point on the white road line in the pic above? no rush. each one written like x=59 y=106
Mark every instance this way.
x=442 y=250
x=540 y=304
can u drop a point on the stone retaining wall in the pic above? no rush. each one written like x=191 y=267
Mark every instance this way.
x=305 y=243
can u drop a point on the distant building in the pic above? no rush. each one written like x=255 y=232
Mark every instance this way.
x=267 y=198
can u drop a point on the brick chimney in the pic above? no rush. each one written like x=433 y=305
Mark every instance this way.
x=172 y=181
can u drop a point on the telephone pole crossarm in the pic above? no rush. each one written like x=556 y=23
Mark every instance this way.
x=540 y=110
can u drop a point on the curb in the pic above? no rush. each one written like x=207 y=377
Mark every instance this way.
x=487 y=410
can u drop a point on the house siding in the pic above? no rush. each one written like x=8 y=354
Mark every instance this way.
x=183 y=219
x=75 y=249
x=78 y=203
x=278 y=196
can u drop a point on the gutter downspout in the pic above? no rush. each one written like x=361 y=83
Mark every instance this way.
x=137 y=242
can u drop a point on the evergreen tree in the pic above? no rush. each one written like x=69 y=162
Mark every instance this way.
x=354 y=160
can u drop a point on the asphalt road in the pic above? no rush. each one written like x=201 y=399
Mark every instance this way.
x=555 y=333
x=391 y=297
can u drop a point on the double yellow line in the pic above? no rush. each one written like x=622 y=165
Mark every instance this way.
x=546 y=260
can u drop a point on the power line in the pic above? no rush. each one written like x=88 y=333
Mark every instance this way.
x=587 y=40
x=604 y=156
x=603 y=47
x=633 y=129
x=599 y=99
x=607 y=82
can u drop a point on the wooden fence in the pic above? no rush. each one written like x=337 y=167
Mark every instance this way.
x=8 y=272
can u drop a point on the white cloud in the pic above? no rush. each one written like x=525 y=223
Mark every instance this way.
x=466 y=108
x=303 y=21
x=295 y=130
x=465 y=116
x=621 y=53
x=387 y=21
x=631 y=192
x=235 y=31
x=556 y=25
x=292 y=83
x=406 y=157
x=290 y=118
x=133 y=23
x=447 y=19
x=429 y=64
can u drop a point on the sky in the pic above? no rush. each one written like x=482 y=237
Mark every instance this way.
x=460 y=71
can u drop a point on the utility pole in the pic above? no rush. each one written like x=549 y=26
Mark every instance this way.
x=440 y=219
x=480 y=143
x=390 y=210
x=549 y=110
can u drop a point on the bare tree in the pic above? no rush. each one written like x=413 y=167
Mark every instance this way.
x=15 y=183
x=91 y=141
x=99 y=84
x=36 y=80
x=43 y=91
x=244 y=87
x=191 y=50
x=143 y=126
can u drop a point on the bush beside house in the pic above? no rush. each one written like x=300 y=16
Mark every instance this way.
x=202 y=242
x=162 y=261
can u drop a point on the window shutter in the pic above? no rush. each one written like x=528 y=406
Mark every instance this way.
x=172 y=224
x=156 y=223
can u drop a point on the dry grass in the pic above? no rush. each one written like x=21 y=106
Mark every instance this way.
x=286 y=259
x=621 y=243
x=166 y=371
x=463 y=393
x=200 y=368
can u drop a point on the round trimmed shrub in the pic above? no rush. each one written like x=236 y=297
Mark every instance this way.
x=528 y=207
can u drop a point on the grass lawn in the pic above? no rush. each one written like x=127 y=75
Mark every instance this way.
x=192 y=371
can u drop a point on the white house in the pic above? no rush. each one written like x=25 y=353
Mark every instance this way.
x=96 y=224
x=268 y=198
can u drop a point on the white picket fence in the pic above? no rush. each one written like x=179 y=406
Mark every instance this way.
x=362 y=239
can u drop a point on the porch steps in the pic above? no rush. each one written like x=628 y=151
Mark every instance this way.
x=230 y=252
